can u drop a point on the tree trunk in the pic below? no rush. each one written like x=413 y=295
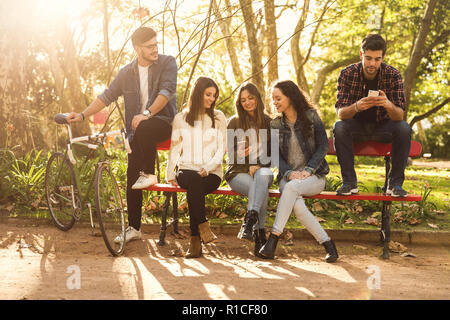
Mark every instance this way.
x=272 y=40
x=254 y=48
x=417 y=53
x=297 y=56
x=72 y=73
x=322 y=76
x=225 y=25
x=14 y=121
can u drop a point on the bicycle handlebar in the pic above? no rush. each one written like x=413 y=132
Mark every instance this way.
x=61 y=118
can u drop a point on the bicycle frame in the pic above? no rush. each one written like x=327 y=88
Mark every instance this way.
x=92 y=142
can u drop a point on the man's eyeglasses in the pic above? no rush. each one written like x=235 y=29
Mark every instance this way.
x=151 y=46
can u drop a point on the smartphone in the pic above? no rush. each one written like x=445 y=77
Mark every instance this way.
x=373 y=93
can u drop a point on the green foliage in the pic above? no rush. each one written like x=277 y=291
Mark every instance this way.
x=23 y=183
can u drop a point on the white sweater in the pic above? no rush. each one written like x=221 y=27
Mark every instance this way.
x=201 y=146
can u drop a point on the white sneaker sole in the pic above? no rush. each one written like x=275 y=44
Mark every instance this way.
x=353 y=191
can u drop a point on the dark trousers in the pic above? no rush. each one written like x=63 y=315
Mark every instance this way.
x=396 y=132
x=142 y=158
x=197 y=188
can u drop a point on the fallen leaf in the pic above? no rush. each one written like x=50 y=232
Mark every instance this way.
x=177 y=253
x=340 y=206
x=372 y=221
x=376 y=214
x=408 y=254
x=349 y=221
x=359 y=247
x=414 y=221
x=433 y=226
x=320 y=219
x=9 y=207
x=397 y=247
x=223 y=215
x=35 y=203
x=318 y=206
x=359 y=209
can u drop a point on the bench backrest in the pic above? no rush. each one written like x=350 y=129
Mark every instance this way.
x=368 y=148
x=375 y=149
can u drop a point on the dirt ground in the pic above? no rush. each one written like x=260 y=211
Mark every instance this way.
x=41 y=262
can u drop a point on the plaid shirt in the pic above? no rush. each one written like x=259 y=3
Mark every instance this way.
x=352 y=87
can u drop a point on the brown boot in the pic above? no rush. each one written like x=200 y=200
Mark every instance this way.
x=205 y=232
x=195 y=248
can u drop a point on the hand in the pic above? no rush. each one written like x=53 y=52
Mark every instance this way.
x=366 y=103
x=253 y=169
x=74 y=117
x=137 y=120
x=203 y=173
x=301 y=175
x=173 y=183
x=243 y=152
x=383 y=101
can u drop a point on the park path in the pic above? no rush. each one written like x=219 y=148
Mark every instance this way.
x=41 y=262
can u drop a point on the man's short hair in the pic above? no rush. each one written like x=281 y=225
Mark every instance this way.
x=141 y=35
x=373 y=42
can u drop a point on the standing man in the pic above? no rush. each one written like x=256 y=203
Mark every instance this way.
x=370 y=106
x=148 y=85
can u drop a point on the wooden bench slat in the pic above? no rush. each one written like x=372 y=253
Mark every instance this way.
x=331 y=195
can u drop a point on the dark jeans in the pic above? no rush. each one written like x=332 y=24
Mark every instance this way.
x=396 y=132
x=142 y=158
x=197 y=188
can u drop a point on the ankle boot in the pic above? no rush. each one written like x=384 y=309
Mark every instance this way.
x=250 y=219
x=330 y=248
x=205 y=232
x=260 y=240
x=195 y=248
x=268 y=250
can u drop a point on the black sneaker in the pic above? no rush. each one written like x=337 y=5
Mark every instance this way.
x=347 y=189
x=396 y=191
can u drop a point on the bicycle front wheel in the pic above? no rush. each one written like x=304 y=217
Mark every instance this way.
x=61 y=191
x=110 y=211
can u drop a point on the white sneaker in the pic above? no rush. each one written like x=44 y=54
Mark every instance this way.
x=145 y=181
x=130 y=234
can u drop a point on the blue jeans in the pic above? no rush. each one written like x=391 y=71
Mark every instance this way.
x=396 y=132
x=257 y=190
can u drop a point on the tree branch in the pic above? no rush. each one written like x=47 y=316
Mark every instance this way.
x=429 y=113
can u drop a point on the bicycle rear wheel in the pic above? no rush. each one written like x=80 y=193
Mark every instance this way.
x=61 y=191
x=110 y=211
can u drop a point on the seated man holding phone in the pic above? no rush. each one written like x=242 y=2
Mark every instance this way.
x=370 y=106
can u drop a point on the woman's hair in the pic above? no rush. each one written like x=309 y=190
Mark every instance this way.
x=299 y=102
x=196 y=100
x=243 y=117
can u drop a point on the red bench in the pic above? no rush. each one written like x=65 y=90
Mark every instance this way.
x=370 y=148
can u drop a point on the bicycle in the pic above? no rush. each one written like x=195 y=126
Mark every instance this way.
x=62 y=187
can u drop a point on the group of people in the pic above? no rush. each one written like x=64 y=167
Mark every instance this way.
x=370 y=106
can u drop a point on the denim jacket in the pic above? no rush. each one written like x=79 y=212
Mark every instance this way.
x=314 y=149
x=162 y=80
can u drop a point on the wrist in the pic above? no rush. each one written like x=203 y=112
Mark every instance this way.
x=356 y=107
x=82 y=116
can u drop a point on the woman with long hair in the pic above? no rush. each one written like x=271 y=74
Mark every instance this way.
x=248 y=134
x=303 y=145
x=197 y=148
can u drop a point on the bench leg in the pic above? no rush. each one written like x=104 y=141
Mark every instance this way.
x=387 y=162
x=385 y=236
x=175 y=212
x=162 y=233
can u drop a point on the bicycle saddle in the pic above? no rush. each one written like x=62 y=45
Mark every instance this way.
x=60 y=118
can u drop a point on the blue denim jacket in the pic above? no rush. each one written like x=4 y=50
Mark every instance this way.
x=314 y=148
x=162 y=79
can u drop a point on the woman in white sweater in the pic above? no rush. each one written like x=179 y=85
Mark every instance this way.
x=197 y=148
